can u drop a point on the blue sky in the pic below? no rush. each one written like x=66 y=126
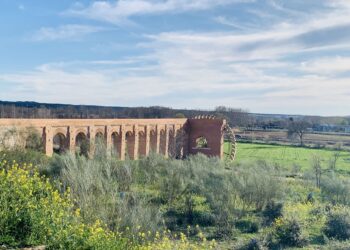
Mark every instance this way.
x=267 y=56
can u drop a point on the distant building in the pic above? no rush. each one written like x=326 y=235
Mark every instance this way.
x=331 y=128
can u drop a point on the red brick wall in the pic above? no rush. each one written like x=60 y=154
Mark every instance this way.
x=211 y=129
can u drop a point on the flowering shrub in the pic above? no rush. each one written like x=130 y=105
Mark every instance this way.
x=33 y=213
x=272 y=211
x=167 y=242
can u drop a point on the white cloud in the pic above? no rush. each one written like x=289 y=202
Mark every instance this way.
x=59 y=82
x=328 y=65
x=64 y=32
x=284 y=38
x=244 y=85
x=279 y=6
x=119 y=11
x=338 y=3
x=204 y=69
x=225 y=21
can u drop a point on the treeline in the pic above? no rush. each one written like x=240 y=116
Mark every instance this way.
x=236 y=117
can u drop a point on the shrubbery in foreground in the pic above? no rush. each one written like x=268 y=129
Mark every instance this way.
x=338 y=224
x=289 y=233
x=244 y=206
x=33 y=213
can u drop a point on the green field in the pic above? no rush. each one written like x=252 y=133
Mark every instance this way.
x=288 y=156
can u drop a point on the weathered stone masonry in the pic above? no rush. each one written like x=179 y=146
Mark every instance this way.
x=132 y=137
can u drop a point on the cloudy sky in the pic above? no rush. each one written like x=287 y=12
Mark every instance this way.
x=267 y=56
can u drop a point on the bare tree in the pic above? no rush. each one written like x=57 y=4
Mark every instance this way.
x=317 y=168
x=299 y=129
x=335 y=156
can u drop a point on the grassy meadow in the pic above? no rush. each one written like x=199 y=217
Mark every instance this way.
x=289 y=157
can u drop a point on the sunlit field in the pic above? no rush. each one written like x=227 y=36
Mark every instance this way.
x=289 y=156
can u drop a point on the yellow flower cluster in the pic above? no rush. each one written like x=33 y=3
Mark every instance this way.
x=166 y=241
x=303 y=213
x=278 y=222
x=52 y=217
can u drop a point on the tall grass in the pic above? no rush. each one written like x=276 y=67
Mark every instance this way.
x=226 y=200
x=155 y=193
x=101 y=187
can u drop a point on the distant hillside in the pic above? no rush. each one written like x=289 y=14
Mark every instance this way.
x=236 y=117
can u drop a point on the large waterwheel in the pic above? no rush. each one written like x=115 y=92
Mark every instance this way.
x=230 y=146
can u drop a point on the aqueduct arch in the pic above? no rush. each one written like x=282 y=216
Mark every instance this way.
x=153 y=140
x=172 y=143
x=82 y=144
x=60 y=143
x=130 y=140
x=142 y=143
x=99 y=136
x=162 y=142
x=116 y=143
x=132 y=137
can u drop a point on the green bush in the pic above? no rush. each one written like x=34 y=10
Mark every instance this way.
x=338 y=245
x=272 y=211
x=338 y=224
x=101 y=188
x=192 y=188
x=336 y=190
x=155 y=192
x=25 y=156
x=84 y=148
x=257 y=186
x=289 y=233
x=253 y=244
x=197 y=190
x=33 y=213
x=247 y=225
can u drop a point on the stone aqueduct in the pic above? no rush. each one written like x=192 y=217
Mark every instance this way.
x=132 y=137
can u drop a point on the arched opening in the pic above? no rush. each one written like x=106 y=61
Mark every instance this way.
x=82 y=144
x=142 y=143
x=201 y=142
x=60 y=143
x=130 y=144
x=179 y=143
x=171 y=145
x=153 y=141
x=162 y=142
x=100 y=143
x=99 y=136
x=34 y=139
x=116 y=144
